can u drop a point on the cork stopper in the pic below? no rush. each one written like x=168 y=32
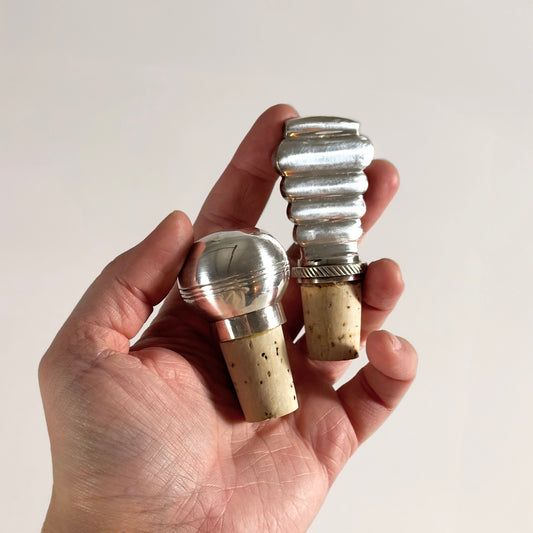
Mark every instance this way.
x=260 y=372
x=332 y=317
x=236 y=279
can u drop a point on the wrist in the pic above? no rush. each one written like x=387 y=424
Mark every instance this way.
x=87 y=515
x=65 y=515
x=62 y=517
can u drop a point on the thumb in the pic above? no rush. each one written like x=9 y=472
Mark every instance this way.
x=121 y=299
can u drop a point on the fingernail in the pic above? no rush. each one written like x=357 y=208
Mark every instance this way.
x=396 y=343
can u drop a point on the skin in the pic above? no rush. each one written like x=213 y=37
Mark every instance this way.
x=150 y=437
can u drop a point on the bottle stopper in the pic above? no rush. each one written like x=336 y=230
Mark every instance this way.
x=321 y=161
x=236 y=279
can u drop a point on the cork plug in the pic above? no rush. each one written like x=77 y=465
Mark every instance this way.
x=236 y=279
x=338 y=337
x=322 y=161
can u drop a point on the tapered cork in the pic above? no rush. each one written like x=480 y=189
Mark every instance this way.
x=332 y=317
x=260 y=371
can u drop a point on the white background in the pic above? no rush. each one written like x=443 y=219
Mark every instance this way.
x=114 y=113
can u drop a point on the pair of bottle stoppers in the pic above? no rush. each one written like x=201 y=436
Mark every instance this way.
x=237 y=278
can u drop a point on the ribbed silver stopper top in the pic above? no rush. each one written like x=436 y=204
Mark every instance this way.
x=321 y=160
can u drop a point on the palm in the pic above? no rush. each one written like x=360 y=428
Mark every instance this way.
x=151 y=437
x=246 y=473
x=243 y=473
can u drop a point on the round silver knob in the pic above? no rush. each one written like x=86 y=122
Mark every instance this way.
x=236 y=279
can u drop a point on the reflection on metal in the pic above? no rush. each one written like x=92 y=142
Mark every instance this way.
x=237 y=279
x=322 y=162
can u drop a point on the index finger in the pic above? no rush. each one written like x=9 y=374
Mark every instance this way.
x=241 y=193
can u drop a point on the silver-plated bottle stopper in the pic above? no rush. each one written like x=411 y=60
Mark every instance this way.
x=236 y=279
x=322 y=162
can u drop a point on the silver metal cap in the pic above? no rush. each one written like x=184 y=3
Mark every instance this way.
x=321 y=160
x=236 y=279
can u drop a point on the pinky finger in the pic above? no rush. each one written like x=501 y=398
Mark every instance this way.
x=376 y=390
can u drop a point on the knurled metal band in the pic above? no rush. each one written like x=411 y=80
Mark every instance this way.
x=326 y=273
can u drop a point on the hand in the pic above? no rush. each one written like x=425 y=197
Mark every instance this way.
x=150 y=437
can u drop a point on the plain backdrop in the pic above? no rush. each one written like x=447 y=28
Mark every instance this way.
x=113 y=113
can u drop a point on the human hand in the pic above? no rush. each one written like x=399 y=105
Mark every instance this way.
x=150 y=437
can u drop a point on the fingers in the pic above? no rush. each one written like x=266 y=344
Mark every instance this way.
x=382 y=288
x=383 y=183
x=118 y=303
x=377 y=388
x=240 y=195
